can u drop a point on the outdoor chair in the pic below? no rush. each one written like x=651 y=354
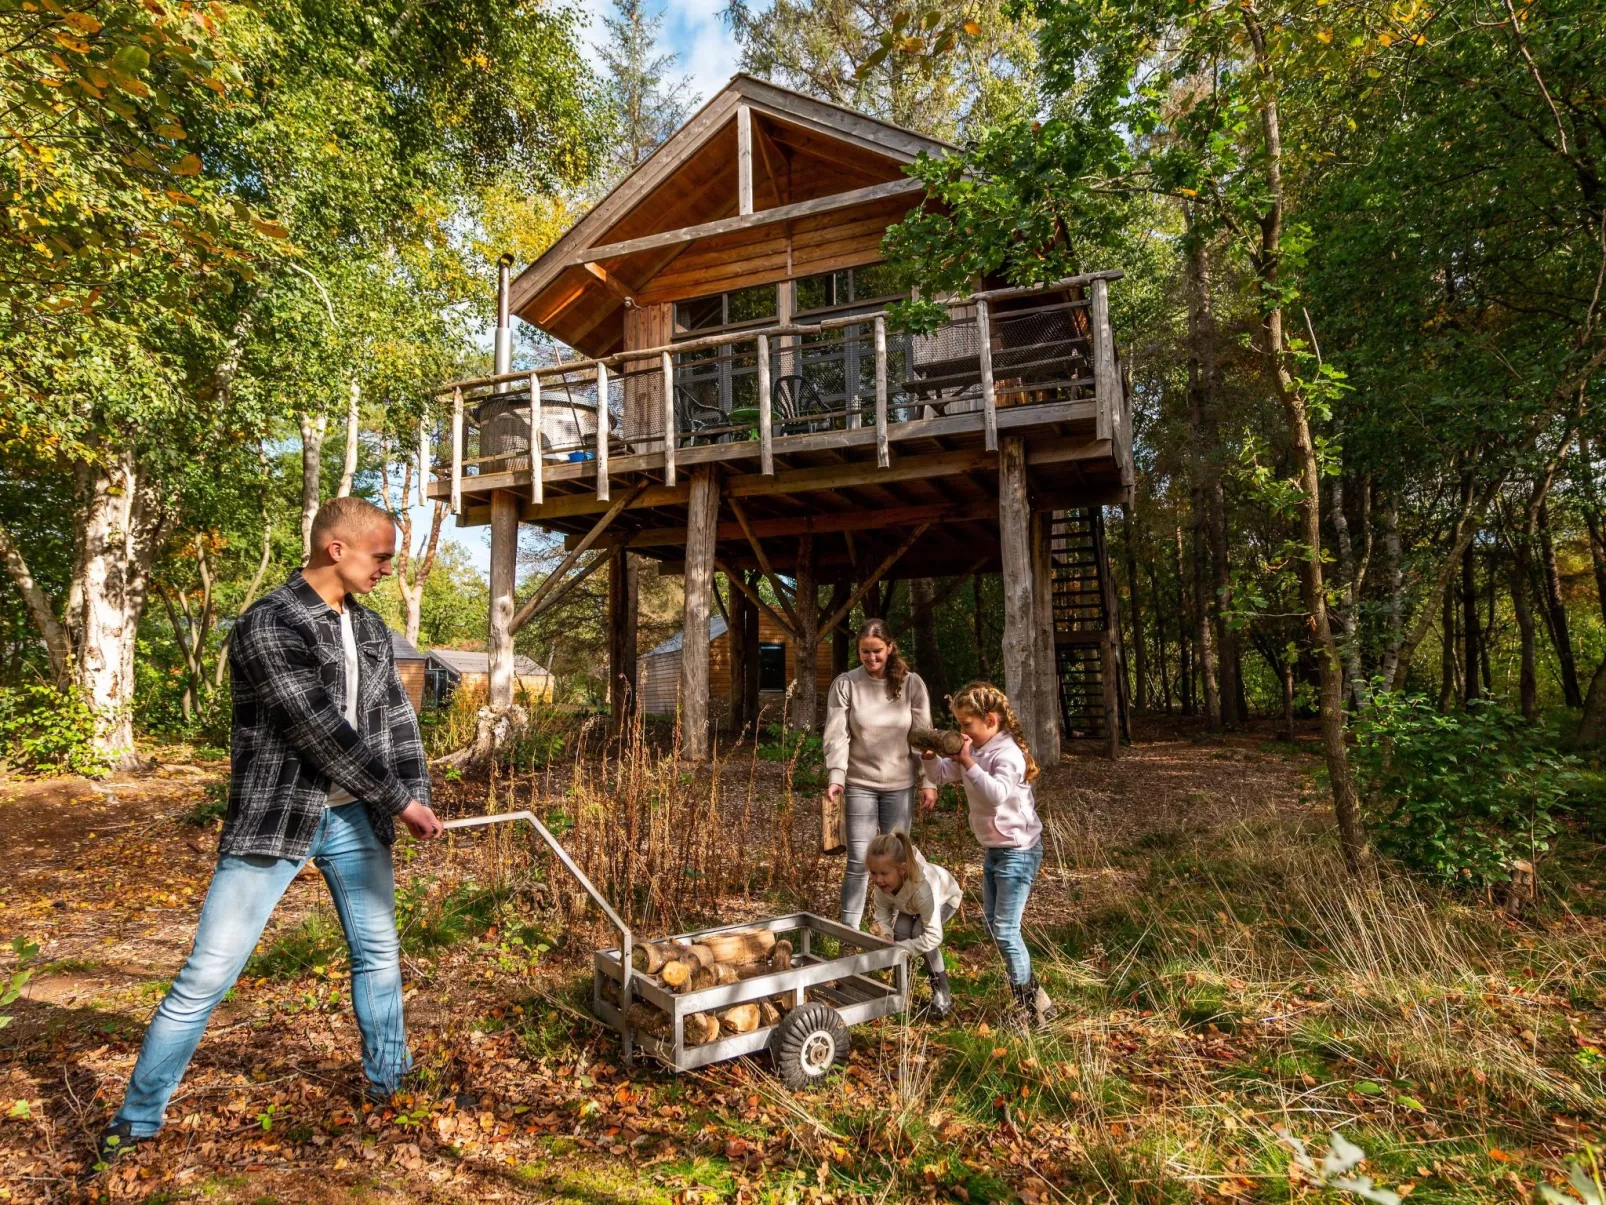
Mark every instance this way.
x=693 y=416
x=798 y=406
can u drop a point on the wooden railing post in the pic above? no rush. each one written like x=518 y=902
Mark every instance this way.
x=602 y=431
x=1106 y=382
x=537 y=487
x=766 y=445
x=984 y=351
x=883 y=456
x=457 y=451
x=670 y=435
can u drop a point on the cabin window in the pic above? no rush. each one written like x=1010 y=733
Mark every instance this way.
x=772 y=667
x=851 y=286
x=727 y=309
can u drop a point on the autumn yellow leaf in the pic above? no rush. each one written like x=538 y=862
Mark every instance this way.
x=1189 y=192
x=973 y=28
x=1385 y=39
x=190 y=165
x=1324 y=36
x=271 y=229
x=83 y=22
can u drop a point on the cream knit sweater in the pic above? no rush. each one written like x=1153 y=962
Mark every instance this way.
x=867 y=733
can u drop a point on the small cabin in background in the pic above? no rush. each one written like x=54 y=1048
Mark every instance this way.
x=410 y=665
x=658 y=671
x=450 y=670
x=740 y=403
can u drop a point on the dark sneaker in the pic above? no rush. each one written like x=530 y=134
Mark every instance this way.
x=1032 y=1008
x=115 y=1141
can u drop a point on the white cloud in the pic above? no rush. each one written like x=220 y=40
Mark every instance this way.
x=692 y=29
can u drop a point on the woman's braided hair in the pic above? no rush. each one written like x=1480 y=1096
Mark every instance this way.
x=978 y=698
x=897 y=667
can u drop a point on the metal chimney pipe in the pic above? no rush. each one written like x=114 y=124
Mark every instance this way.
x=504 y=320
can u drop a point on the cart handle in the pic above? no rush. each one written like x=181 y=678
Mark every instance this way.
x=580 y=875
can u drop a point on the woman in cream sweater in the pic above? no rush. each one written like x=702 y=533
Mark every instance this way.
x=868 y=762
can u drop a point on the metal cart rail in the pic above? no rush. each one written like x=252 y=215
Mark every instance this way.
x=828 y=994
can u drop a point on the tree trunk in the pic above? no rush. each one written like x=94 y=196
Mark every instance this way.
x=1139 y=661
x=1349 y=617
x=803 y=712
x=348 y=470
x=623 y=587
x=928 y=656
x=1470 y=635
x=1522 y=609
x=1184 y=661
x=56 y=637
x=121 y=531
x=1287 y=676
x=1594 y=521
x=736 y=642
x=1558 y=612
x=1448 y=688
x=1020 y=616
x=979 y=615
x=750 y=681
x=1592 y=728
x=1346 y=806
x=1395 y=557
x=312 y=433
x=702 y=524
x=842 y=634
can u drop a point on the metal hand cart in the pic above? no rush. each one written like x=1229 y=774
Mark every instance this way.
x=827 y=994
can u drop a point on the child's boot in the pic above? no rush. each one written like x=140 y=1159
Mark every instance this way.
x=1033 y=1009
x=942 y=999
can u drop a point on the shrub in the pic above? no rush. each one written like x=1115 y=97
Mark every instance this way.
x=48 y=731
x=1458 y=796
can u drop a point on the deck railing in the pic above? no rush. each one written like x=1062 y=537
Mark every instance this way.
x=1000 y=348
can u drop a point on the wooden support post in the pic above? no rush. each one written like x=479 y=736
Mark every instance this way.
x=883 y=454
x=750 y=679
x=671 y=437
x=869 y=583
x=1106 y=381
x=1047 y=738
x=984 y=352
x=1020 y=616
x=841 y=637
x=536 y=485
x=766 y=437
x=622 y=594
x=754 y=597
x=702 y=522
x=423 y=459
x=744 y=159
x=504 y=569
x=801 y=715
x=740 y=653
x=1109 y=648
x=602 y=434
x=457 y=451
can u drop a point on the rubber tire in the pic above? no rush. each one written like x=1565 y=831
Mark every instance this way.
x=797 y=1044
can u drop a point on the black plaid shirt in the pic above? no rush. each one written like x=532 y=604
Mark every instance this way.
x=291 y=740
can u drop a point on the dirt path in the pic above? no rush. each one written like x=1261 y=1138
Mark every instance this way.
x=523 y=1100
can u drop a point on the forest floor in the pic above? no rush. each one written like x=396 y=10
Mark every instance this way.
x=1223 y=986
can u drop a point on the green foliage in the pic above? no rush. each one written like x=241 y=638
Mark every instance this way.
x=1458 y=796
x=210 y=808
x=24 y=952
x=44 y=730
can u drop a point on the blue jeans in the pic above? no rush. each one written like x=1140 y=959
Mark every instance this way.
x=866 y=812
x=244 y=891
x=1006 y=884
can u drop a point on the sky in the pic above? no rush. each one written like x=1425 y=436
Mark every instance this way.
x=707 y=53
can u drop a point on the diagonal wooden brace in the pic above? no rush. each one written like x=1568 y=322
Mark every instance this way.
x=764 y=564
x=735 y=579
x=870 y=582
x=529 y=610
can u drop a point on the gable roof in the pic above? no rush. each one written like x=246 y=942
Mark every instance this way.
x=848 y=150
x=717 y=627
x=403 y=649
x=466 y=661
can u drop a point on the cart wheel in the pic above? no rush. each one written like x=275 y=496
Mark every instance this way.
x=808 y=1043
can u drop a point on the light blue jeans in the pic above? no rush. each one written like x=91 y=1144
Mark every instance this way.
x=866 y=812
x=244 y=891
x=1006 y=884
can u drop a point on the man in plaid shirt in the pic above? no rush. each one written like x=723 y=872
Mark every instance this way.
x=325 y=754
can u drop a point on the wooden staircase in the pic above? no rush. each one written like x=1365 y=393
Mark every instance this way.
x=1087 y=639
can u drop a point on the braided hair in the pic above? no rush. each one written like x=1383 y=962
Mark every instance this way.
x=979 y=698
x=897 y=667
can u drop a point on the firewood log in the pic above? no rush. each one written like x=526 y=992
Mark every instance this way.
x=699 y=954
x=700 y=1028
x=768 y=1014
x=652 y=956
x=675 y=973
x=781 y=955
x=725 y=973
x=647 y=1019
x=701 y=977
x=742 y=945
x=740 y=1018
x=942 y=742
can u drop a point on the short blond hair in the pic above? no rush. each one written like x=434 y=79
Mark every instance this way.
x=348 y=516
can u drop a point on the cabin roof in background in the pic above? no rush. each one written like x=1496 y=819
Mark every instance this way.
x=824 y=149
x=466 y=661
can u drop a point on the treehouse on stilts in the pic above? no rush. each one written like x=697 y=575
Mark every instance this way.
x=739 y=404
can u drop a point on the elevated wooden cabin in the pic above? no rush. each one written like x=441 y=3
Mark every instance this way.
x=740 y=402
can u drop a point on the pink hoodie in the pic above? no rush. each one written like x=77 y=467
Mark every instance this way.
x=1003 y=809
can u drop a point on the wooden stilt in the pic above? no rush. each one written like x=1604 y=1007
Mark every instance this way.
x=841 y=637
x=750 y=680
x=504 y=566
x=740 y=654
x=702 y=522
x=1047 y=740
x=805 y=691
x=622 y=594
x=1020 y=616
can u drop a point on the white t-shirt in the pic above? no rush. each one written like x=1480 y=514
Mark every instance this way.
x=339 y=796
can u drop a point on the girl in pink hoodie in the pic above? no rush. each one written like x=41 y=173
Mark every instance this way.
x=996 y=770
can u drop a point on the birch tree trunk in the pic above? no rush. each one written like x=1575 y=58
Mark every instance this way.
x=313 y=428
x=348 y=470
